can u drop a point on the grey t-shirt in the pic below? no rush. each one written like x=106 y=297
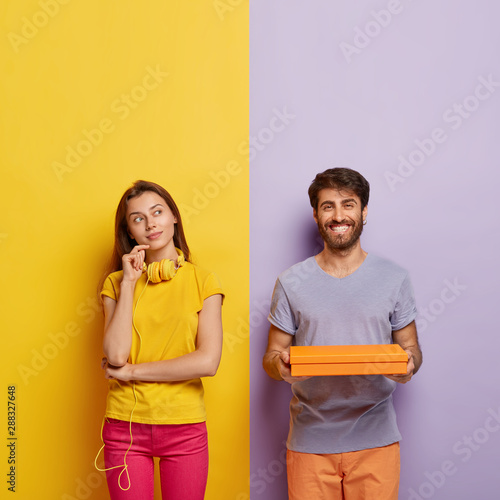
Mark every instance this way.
x=342 y=413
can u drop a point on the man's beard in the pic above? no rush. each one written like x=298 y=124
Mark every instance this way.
x=341 y=242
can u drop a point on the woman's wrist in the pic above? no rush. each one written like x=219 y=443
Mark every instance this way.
x=133 y=372
x=126 y=283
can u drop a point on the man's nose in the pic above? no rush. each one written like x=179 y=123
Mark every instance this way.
x=338 y=214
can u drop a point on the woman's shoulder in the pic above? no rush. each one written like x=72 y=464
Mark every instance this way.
x=111 y=285
x=202 y=274
x=207 y=282
x=196 y=267
x=114 y=277
x=198 y=271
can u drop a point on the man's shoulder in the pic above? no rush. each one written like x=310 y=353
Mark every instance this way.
x=299 y=272
x=386 y=266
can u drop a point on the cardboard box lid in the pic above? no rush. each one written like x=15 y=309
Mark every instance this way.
x=379 y=353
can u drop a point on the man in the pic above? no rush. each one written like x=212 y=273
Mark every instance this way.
x=343 y=441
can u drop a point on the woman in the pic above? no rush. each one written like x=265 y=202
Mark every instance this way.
x=162 y=333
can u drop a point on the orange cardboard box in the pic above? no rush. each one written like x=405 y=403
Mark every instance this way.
x=375 y=359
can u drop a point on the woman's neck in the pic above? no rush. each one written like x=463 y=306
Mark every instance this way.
x=168 y=252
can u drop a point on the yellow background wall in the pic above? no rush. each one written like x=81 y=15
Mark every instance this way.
x=95 y=95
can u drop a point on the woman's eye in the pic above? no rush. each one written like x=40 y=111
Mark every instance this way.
x=138 y=219
x=158 y=212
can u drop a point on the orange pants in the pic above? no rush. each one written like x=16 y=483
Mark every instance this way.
x=371 y=474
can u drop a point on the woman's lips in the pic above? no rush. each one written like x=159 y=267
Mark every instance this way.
x=153 y=236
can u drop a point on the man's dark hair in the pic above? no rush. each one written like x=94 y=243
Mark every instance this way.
x=339 y=178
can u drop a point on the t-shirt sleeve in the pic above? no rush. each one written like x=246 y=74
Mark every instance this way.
x=405 y=310
x=108 y=288
x=281 y=315
x=212 y=286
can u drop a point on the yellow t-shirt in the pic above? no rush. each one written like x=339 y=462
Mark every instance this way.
x=167 y=320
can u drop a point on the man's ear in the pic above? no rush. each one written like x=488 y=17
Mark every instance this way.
x=315 y=215
x=364 y=213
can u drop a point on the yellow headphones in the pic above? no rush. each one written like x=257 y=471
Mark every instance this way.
x=166 y=269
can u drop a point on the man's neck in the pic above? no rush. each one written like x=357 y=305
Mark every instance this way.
x=341 y=263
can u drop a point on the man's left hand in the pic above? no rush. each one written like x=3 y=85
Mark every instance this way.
x=403 y=378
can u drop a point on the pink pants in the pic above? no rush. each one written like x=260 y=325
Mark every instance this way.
x=183 y=453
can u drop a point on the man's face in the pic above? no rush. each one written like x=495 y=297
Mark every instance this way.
x=339 y=218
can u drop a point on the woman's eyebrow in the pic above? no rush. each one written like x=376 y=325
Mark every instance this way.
x=151 y=208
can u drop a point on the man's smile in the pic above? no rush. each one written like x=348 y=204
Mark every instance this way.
x=339 y=228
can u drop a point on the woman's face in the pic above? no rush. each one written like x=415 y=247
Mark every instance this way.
x=150 y=221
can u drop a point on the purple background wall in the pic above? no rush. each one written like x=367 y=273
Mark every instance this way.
x=325 y=93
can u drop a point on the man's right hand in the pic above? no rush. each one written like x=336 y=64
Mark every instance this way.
x=277 y=357
x=284 y=368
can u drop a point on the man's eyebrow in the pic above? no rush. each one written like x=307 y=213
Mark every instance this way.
x=151 y=208
x=346 y=200
x=327 y=202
